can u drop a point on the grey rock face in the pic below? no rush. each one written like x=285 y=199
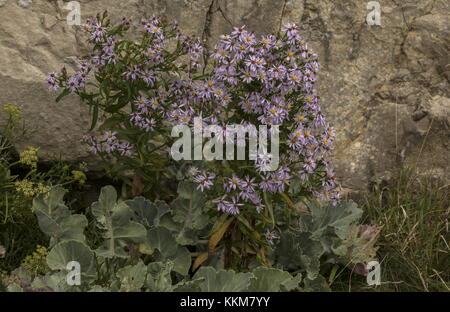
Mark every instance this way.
x=25 y=3
x=384 y=88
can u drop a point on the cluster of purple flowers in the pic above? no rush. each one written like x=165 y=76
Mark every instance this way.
x=238 y=191
x=107 y=143
x=280 y=72
x=145 y=62
x=268 y=80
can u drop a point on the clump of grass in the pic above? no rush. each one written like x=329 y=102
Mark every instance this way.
x=414 y=243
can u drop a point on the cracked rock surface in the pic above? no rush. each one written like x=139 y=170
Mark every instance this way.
x=384 y=88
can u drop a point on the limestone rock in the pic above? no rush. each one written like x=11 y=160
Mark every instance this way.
x=384 y=88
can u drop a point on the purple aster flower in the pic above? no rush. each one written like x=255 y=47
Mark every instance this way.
x=266 y=184
x=254 y=63
x=259 y=207
x=51 y=80
x=142 y=102
x=270 y=236
x=234 y=206
x=110 y=147
x=125 y=149
x=247 y=38
x=132 y=73
x=99 y=30
x=72 y=84
x=204 y=181
x=267 y=41
x=193 y=171
x=153 y=29
x=222 y=204
x=303 y=174
x=248 y=185
x=309 y=165
x=110 y=136
x=282 y=179
x=291 y=30
x=231 y=183
x=52 y=77
x=247 y=76
x=149 y=77
x=125 y=21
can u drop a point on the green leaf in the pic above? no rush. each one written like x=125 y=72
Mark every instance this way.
x=319 y=284
x=291 y=284
x=272 y=280
x=339 y=218
x=158 y=277
x=146 y=212
x=64 y=93
x=187 y=210
x=223 y=281
x=55 y=219
x=115 y=219
x=297 y=251
x=98 y=289
x=94 y=118
x=161 y=239
x=188 y=207
x=132 y=277
x=188 y=286
x=68 y=251
x=56 y=282
x=112 y=122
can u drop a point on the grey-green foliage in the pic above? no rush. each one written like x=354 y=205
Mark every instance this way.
x=67 y=251
x=273 y=280
x=188 y=217
x=161 y=239
x=220 y=281
x=55 y=218
x=165 y=231
x=260 y=279
x=132 y=277
x=317 y=235
x=115 y=266
x=145 y=247
x=115 y=218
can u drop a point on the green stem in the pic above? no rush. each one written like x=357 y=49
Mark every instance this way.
x=269 y=208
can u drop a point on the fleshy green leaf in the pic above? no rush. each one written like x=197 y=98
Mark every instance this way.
x=319 y=284
x=68 y=251
x=115 y=219
x=146 y=212
x=188 y=216
x=158 y=277
x=272 y=280
x=298 y=251
x=55 y=219
x=223 y=281
x=339 y=218
x=162 y=239
x=132 y=277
